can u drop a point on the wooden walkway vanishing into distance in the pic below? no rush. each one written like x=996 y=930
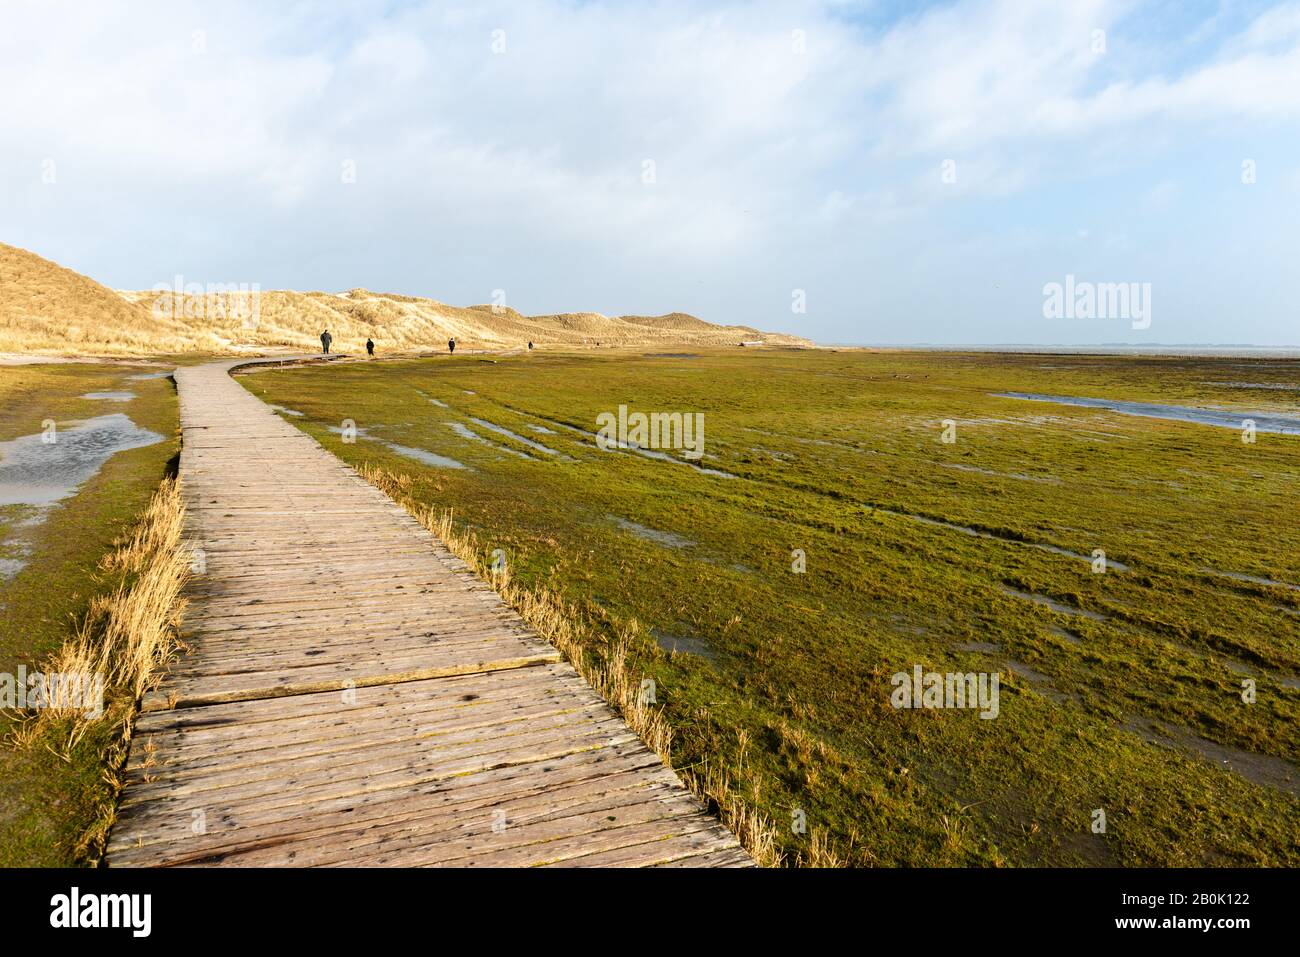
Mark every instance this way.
x=353 y=695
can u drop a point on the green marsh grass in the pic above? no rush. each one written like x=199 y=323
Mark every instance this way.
x=917 y=553
x=86 y=560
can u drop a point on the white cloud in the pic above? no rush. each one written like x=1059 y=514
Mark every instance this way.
x=769 y=161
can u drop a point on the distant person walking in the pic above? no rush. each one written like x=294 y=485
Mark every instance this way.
x=370 y=347
x=451 y=345
x=325 y=340
x=530 y=347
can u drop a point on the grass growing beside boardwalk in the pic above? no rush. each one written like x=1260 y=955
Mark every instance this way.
x=603 y=664
x=1121 y=692
x=81 y=560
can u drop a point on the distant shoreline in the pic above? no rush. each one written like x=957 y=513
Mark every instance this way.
x=1207 y=351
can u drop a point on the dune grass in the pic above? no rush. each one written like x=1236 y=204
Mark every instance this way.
x=48 y=309
x=916 y=552
x=90 y=597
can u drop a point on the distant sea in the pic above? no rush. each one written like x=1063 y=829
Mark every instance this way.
x=1108 y=349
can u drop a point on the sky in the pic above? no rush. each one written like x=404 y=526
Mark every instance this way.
x=852 y=172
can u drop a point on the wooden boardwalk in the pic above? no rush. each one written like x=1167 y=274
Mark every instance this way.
x=355 y=696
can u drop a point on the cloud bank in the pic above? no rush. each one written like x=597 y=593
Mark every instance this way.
x=918 y=174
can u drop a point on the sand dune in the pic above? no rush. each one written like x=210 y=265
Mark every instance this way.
x=47 y=309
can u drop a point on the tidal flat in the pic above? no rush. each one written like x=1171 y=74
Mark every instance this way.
x=859 y=514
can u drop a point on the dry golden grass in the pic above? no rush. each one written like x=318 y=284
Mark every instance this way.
x=608 y=673
x=47 y=309
x=124 y=641
x=820 y=852
x=129 y=635
x=411 y=324
x=678 y=321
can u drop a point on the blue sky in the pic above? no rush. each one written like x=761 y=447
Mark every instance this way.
x=919 y=172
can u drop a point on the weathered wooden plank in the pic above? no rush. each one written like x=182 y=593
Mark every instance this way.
x=235 y=831
x=352 y=695
x=158 y=820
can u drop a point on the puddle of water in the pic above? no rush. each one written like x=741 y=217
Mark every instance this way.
x=1111 y=564
x=658 y=456
x=1054 y=604
x=110 y=396
x=1277 y=386
x=665 y=457
x=419 y=455
x=34 y=473
x=542 y=430
x=283 y=411
x=905 y=626
x=465 y=432
x=645 y=453
x=1011 y=475
x=1041 y=682
x=1263 y=769
x=667 y=539
x=1029 y=674
x=1065 y=633
x=1264 y=421
x=141 y=377
x=499 y=430
x=1293 y=683
x=19 y=551
x=425 y=456
x=439 y=403
x=9 y=567
x=681 y=645
x=794 y=438
x=468 y=392
x=1253 y=579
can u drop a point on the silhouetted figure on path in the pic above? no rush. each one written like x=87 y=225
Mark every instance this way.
x=370 y=347
x=530 y=347
x=451 y=345
x=325 y=340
